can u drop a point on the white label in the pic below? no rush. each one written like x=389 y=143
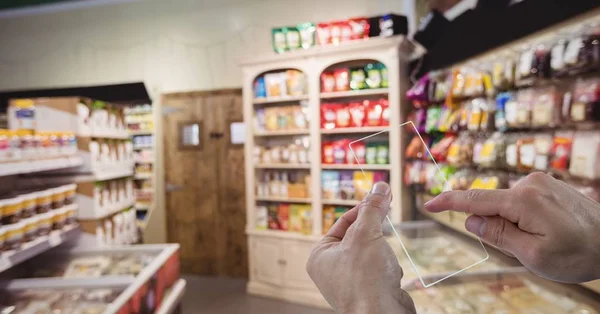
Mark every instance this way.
x=527 y=155
x=558 y=57
x=510 y=111
x=511 y=155
x=541 y=162
x=238 y=132
x=572 y=51
x=526 y=62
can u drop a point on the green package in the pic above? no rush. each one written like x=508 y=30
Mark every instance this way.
x=307 y=34
x=279 y=40
x=433 y=115
x=383 y=152
x=357 y=79
x=371 y=153
x=339 y=211
x=373 y=75
x=384 y=75
x=292 y=37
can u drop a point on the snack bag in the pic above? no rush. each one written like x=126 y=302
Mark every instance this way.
x=295 y=218
x=371 y=154
x=296 y=83
x=262 y=218
x=384 y=76
x=357 y=79
x=357 y=114
x=292 y=36
x=328 y=116
x=339 y=212
x=327 y=82
x=331 y=184
x=560 y=154
x=380 y=176
x=279 y=40
x=324 y=34
x=283 y=215
x=260 y=89
x=342 y=115
x=383 y=153
x=328 y=153
x=347 y=189
x=360 y=151
x=276 y=84
x=273 y=217
x=336 y=33
x=374 y=112
x=360 y=27
x=306 y=219
x=339 y=151
x=346 y=31
x=328 y=218
x=342 y=80
x=307 y=34
x=362 y=183
x=374 y=75
x=385 y=112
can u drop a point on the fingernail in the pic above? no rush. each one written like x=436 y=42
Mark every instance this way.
x=476 y=225
x=381 y=188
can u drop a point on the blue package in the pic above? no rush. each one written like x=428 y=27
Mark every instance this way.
x=260 y=89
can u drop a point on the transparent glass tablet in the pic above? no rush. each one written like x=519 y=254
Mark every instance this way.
x=433 y=258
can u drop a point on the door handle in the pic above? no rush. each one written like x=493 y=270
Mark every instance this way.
x=173 y=187
x=215 y=135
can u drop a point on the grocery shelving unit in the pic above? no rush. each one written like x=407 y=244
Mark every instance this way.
x=561 y=31
x=277 y=258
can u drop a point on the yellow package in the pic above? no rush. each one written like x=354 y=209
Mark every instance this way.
x=328 y=218
x=362 y=183
x=306 y=214
x=296 y=218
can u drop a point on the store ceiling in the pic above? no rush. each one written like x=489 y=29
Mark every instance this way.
x=19 y=4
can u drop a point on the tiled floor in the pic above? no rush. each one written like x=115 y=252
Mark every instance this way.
x=228 y=296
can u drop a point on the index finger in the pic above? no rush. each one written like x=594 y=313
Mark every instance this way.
x=339 y=228
x=478 y=202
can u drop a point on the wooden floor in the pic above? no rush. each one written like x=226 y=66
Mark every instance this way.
x=228 y=296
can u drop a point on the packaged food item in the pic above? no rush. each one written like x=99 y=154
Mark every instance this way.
x=360 y=153
x=383 y=153
x=14 y=145
x=329 y=116
x=419 y=93
x=328 y=157
x=14 y=236
x=380 y=176
x=30 y=229
x=330 y=181
x=385 y=112
x=357 y=114
x=327 y=82
x=415 y=148
x=345 y=31
x=29 y=205
x=492 y=153
x=339 y=151
x=2 y=239
x=307 y=225
x=543 y=146
x=438 y=181
x=295 y=218
x=371 y=154
x=586 y=98
x=500 y=122
x=458 y=84
x=546 y=108
x=328 y=218
x=362 y=184
x=374 y=113
x=488 y=109
x=25 y=114
x=292 y=37
x=475 y=109
x=342 y=79
x=12 y=210
x=4 y=146
x=279 y=40
x=433 y=116
x=347 y=189
x=512 y=151
x=273 y=217
x=283 y=216
x=357 y=79
x=323 y=33
x=479 y=142
x=59 y=218
x=71 y=216
x=460 y=152
x=439 y=151
x=525 y=153
x=585 y=154
x=560 y=153
x=342 y=115
x=557 y=57
x=307 y=34
x=276 y=84
x=44 y=201
x=58 y=198
x=384 y=76
x=374 y=77
x=45 y=223
x=360 y=27
x=336 y=32
x=486 y=182
x=296 y=83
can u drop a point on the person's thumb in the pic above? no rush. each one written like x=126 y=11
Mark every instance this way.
x=499 y=232
x=374 y=208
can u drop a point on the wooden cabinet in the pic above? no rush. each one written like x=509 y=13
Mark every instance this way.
x=268 y=261
x=295 y=256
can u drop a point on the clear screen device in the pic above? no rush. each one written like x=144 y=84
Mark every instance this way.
x=433 y=258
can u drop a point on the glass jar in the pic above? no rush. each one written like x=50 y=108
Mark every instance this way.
x=14 y=145
x=70 y=192
x=43 y=201
x=58 y=198
x=14 y=236
x=12 y=210
x=29 y=205
x=27 y=144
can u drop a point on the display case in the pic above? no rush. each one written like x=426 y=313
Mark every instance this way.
x=128 y=279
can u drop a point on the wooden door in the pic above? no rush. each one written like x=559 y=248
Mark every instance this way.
x=205 y=201
x=268 y=261
x=295 y=255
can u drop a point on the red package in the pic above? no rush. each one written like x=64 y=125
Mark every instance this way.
x=283 y=215
x=345 y=31
x=360 y=27
x=342 y=79
x=339 y=151
x=374 y=111
x=561 y=153
x=323 y=33
x=342 y=116
x=439 y=151
x=327 y=82
x=357 y=114
x=328 y=116
x=360 y=151
x=380 y=176
x=327 y=153
x=385 y=113
x=336 y=32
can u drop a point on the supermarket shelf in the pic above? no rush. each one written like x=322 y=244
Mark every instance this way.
x=281 y=133
x=374 y=129
x=142 y=132
x=31 y=166
x=341 y=202
x=356 y=167
x=283 y=199
x=282 y=166
x=144 y=161
x=283 y=234
x=144 y=190
x=110 y=134
x=355 y=93
x=100 y=213
x=172 y=298
x=36 y=247
x=143 y=176
x=140 y=147
x=274 y=100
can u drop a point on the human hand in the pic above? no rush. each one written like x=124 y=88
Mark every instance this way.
x=353 y=265
x=550 y=227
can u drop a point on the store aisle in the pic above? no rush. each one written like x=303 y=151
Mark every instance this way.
x=209 y=295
